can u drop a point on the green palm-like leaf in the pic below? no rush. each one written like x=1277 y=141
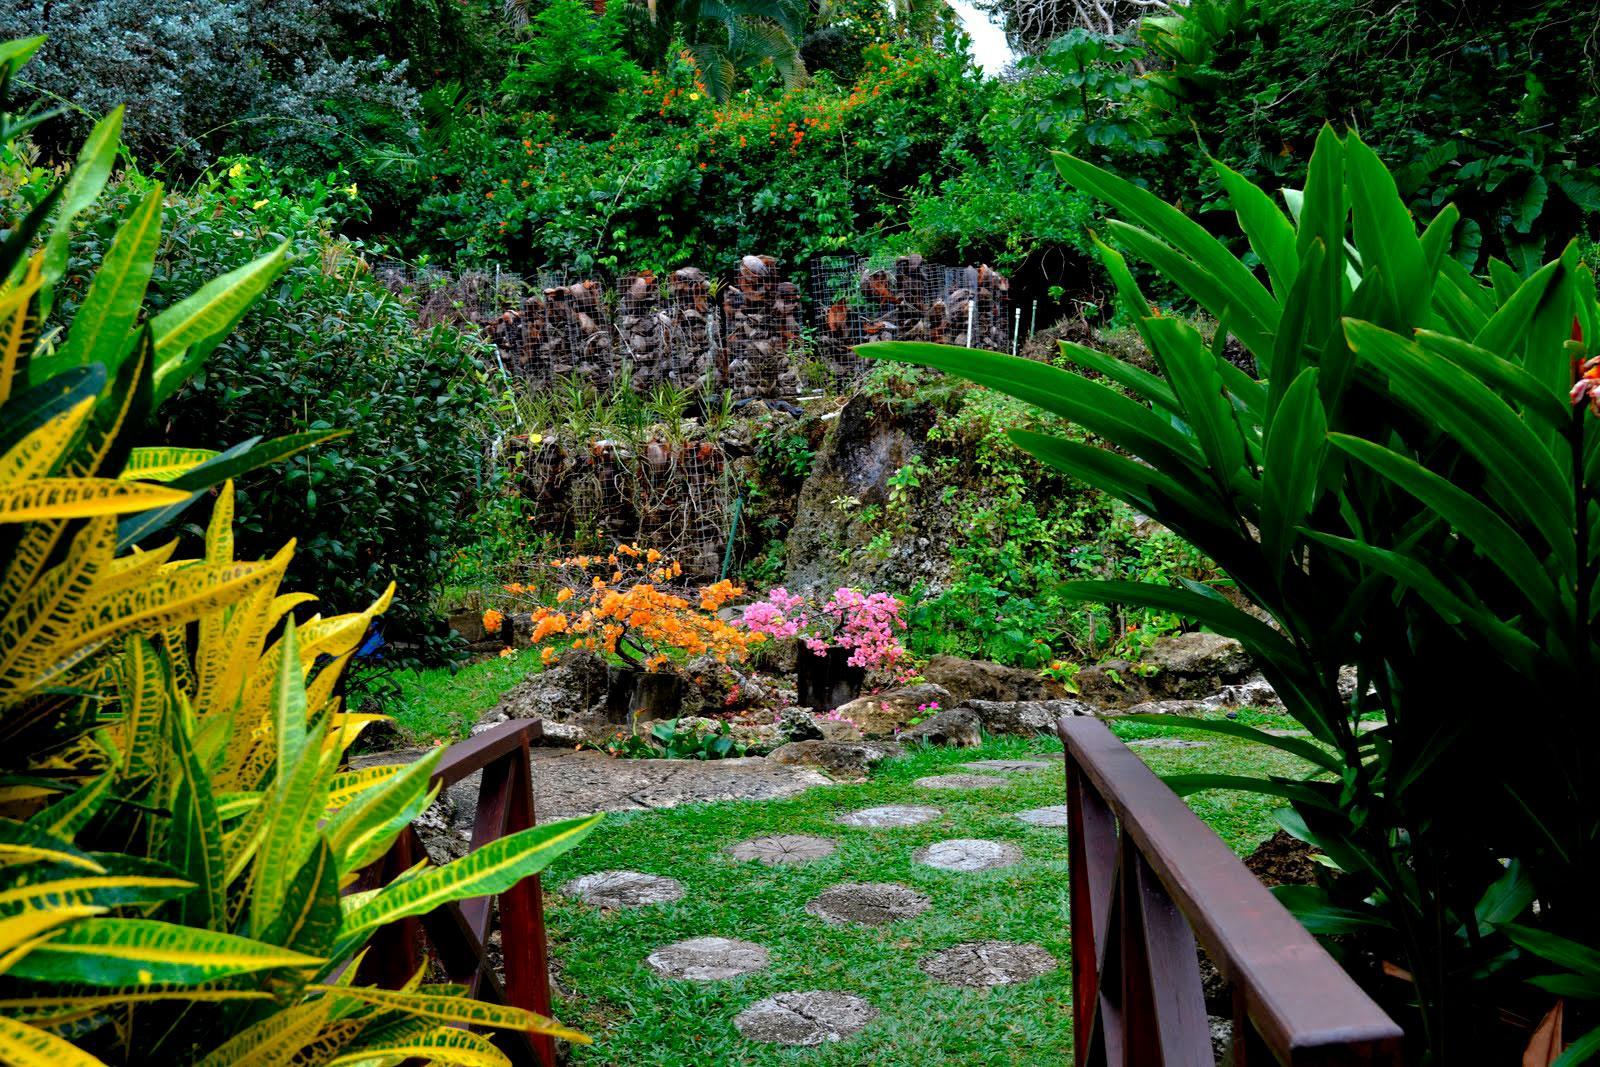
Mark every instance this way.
x=128 y=952
x=493 y=868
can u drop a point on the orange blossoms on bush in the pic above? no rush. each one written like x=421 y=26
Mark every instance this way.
x=615 y=604
x=492 y=620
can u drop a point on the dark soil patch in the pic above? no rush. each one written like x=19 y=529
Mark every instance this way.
x=1283 y=860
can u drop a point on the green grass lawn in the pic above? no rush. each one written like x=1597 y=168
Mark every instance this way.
x=442 y=705
x=638 y=1017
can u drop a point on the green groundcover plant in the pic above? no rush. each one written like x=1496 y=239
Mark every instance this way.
x=1410 y=489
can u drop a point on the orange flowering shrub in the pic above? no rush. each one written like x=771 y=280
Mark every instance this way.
x=617 y=604
x=492 y=621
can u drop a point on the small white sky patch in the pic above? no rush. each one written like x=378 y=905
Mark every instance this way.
x=990 y=48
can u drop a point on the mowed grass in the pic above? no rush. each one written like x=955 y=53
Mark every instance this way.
x=637 y=1017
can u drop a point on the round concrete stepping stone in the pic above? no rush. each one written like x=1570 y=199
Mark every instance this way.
x=961 y=781
x=891 y=815
x=988 y=963
x=1010 y=765
x=782 y=848
x=1167 y=742
x=868 y=903
x=623 y=889
x=1052 y=816
x=708 y=959
x=807 y=1019
x=967 y=854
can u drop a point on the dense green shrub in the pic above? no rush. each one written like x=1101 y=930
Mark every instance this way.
x=202 y=77
x=1491 y=106
x=1412 y=487
x=572 y=67
x=327 y=346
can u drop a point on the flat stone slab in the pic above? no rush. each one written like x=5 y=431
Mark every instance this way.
x=1052 y=816
x=961 y=781
x=708 y=959
x=623 y=889
x=967 y=854
x=890 y=815
x=806 y=1019
x=977 y=964
x=869 y=903
x=1012 y=766
x=1167 y=742
x=782 y=848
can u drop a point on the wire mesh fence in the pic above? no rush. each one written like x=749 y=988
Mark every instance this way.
x=861 y=299
x=751 y=335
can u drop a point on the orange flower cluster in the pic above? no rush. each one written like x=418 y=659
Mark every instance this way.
x=617 y=606
x=492 y=621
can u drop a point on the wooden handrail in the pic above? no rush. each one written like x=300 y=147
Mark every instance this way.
x=1147 y=879
x=458 y=934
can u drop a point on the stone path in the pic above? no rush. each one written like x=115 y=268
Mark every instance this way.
x=1011 y=765
x=782 y=849
x=961 y=781
x=1056 y=816
x=892 y=815
x=623 y=889
x=870 y=903
x=708 y=959
x=807 y=1019
x=967 y=854
x=989 y=963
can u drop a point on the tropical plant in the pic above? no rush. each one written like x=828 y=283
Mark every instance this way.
x=1407 y=490
x=177 y=831
x=729 y=36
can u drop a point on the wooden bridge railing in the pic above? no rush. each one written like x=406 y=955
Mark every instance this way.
x=459 y=933
x=1147 y=878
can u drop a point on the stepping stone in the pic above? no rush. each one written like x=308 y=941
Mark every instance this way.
x=623 y=889
x=988 y=963
x=967 y=854
x=870 y=903
x=782 y=848
x=806 y=1019
x=1167 y=742
x=1011 y=765
x=708 y=959
x=892 y=815
x=961 y=781
x=1052 y=816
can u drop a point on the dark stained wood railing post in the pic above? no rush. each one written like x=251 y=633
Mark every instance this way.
x=1149 y=879
x=458 y=934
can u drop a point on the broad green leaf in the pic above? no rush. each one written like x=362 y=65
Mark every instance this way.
x=194 y=840
x=1317 y=914
x=102 y=329
x=1295 y=443
x=81 y=189
x=1553 y=948
x=1195 y=381
x=1185 y=235
x=443 y=1045
x=1386 y=234
x=1295 y=792
x=364 y=827
x=1500 y=374
x=1492 y=536
x=22 y=1045
x=453 y=1009
x=198 y=323
x=121 y=952
x=1097 y=408
x=1271 y=235
x=1251 y=326
x=1296 y=746
x=1484 y=425
x=494 y=868
x=1125 y=374
x=310 y=916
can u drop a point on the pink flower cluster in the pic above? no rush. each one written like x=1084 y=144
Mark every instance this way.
x=781 y=614
x=866 y=625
